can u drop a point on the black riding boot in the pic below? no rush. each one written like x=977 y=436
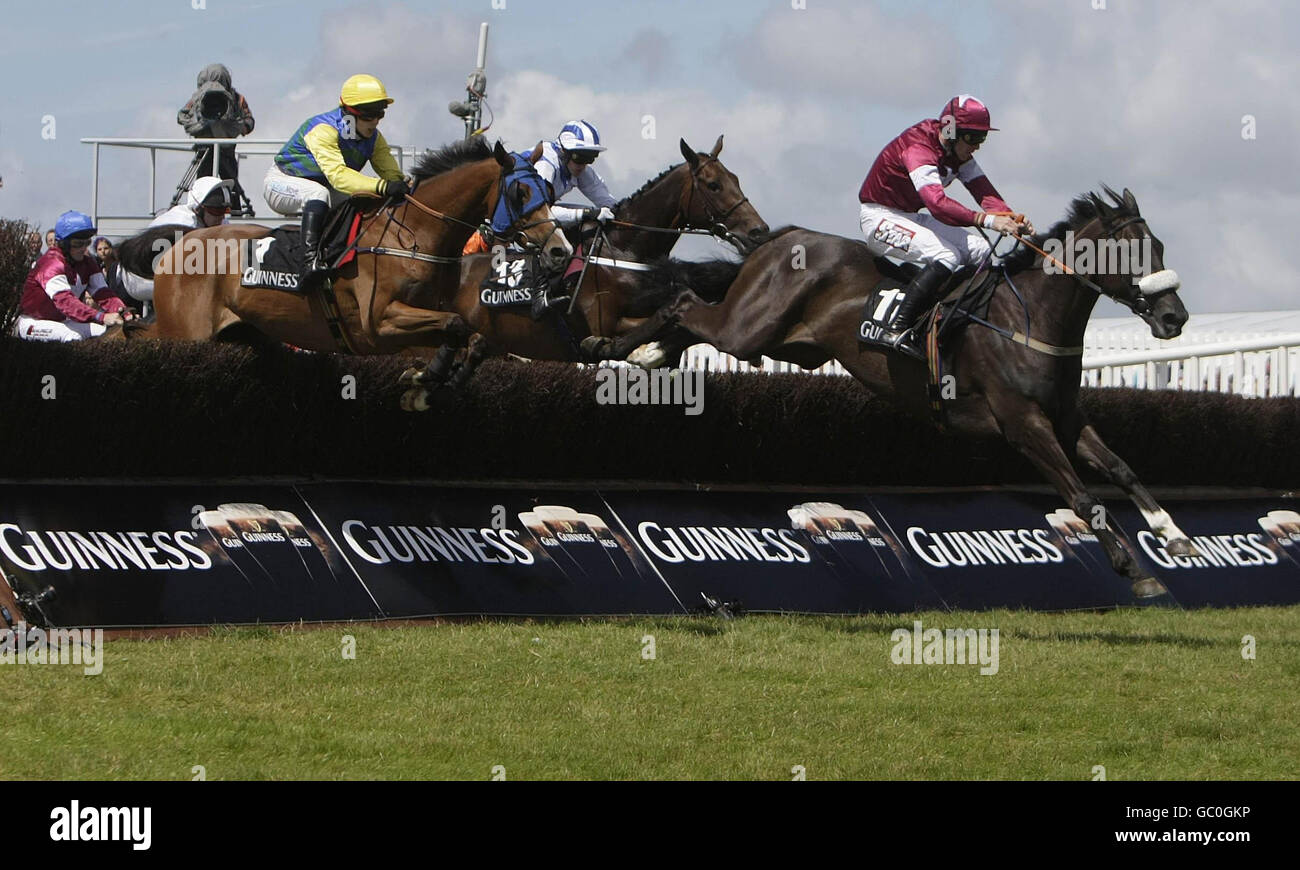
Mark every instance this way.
x=920 y=295
x=314 y=266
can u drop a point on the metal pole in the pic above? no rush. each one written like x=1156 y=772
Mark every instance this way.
x=94 y=188
x=153 y=177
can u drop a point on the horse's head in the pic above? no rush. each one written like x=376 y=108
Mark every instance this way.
x=714 y=201
x=1146 y=287
x=522 y=210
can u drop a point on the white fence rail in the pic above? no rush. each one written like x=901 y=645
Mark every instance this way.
x=118 y=225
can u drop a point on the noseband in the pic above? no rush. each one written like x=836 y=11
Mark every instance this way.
x=717 y=223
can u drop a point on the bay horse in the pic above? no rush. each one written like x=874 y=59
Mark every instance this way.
x=403 y=249
x=1025 y=392
x=628 y=278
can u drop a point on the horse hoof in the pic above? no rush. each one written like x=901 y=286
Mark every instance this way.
x=596 y=347
x=415 y=400
x=1182 y=547
x=410 y=377
x=1148 y=587
x=648 y=356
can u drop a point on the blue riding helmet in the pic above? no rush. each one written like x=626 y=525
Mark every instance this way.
x=70 y=223
x=504 y=216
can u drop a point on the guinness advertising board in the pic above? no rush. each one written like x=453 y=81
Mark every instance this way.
x=146 y=556
x=173 y=555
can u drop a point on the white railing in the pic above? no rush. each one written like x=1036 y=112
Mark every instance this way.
x=118 y=225
x=1257 y=366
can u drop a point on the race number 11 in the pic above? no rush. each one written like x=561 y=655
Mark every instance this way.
x=886 y=303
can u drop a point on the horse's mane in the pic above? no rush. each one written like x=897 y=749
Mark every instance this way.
x=448 y=157
x=1082 y=209
x=137 y=253
x=643 y=188
x=667 y=277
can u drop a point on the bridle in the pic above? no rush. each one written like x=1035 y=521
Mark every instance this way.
x=1141 y=303
x=717 y=222
x=1165 y=282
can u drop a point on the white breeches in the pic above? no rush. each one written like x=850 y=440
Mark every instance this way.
x=919 y=238
x=53 y=330
x=286 y=194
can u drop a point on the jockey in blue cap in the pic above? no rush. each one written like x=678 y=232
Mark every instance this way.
x=566 y=163
x=51 y=308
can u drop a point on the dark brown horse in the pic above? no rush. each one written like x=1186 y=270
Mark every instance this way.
x=1004 y=388
x=382 y=295
x=625 y=282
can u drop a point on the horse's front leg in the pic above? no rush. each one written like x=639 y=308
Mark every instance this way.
x=1028 y=430
x=401 y=325
x=1094 y=451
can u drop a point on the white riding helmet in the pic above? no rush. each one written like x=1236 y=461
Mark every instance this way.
x=579 y=136
x=205 y=188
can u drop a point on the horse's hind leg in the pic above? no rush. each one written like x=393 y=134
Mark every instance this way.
x=1030 y=432
x=690 y=320
x=1094 y=451
x=433 y=374
x=443 y=369
x=475 y=351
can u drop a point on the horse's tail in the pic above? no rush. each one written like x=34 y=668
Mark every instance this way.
x=138 y=253
x=709 y=279
x=667 y=277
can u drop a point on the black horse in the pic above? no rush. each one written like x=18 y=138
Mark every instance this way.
x=1025 y=392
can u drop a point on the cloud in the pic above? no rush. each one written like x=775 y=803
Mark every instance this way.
x=855 y=52
x=650 y=52
x=1149 y=96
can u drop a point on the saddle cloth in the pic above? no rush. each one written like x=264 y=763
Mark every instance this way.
x=961 y=301
x=518 y=279
x=276 y=259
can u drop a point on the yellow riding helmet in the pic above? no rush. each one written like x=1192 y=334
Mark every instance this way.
x=362 y=89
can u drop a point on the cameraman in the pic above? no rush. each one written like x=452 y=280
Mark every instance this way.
x=217 y=111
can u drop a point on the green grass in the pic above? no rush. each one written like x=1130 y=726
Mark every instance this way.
x=1146 y=693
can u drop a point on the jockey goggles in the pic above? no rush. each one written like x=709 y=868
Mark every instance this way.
x=586 y=158
x=369 y=111
x=973 y=137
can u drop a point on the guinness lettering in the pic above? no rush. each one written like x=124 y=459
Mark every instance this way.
x=721 y=543
x=380 y=545
x=1243 y=551
x=254 y=277
x=93 y=551
x=982 y=547
x=497 y=298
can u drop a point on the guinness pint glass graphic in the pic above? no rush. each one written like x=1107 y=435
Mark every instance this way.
x=311 y=549
x=1080 y=539
x=224 y=543
x=268 y=543
x=565 y=535
x=852 y=535
x=1283 y=528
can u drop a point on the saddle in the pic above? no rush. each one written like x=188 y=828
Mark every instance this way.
x=277 y=259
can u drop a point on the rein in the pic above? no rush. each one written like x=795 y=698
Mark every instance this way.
x=718 y=229
x=1141 y=305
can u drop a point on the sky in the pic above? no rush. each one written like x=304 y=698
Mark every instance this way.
x=1189 y=104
